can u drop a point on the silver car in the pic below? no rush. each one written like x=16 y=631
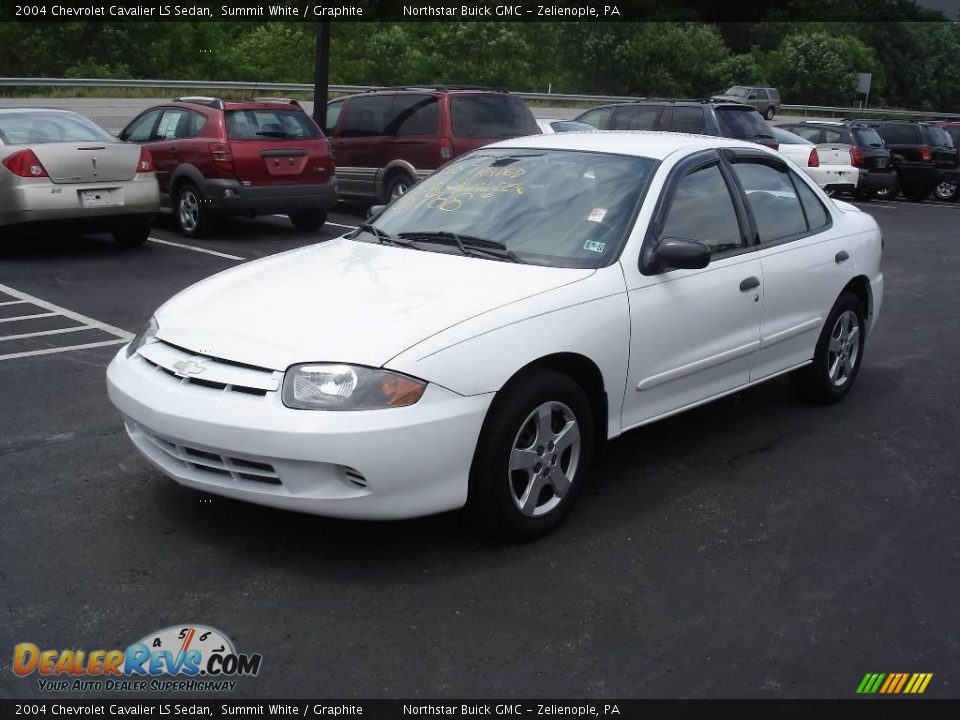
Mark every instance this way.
x=765 y=99
x=61 y=172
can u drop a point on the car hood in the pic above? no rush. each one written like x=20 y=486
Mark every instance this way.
x=343 y=301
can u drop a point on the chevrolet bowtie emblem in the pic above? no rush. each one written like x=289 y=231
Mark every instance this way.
x=186 y=368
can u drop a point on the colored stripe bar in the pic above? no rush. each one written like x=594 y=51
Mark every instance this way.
x=875 y=685
x=862 y=688
x=891 y=680
x=903 y=679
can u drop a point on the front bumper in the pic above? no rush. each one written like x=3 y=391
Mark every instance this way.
x=377 y=464
x=229 y=197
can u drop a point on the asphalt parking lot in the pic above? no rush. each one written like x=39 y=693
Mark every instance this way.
x=754 y=547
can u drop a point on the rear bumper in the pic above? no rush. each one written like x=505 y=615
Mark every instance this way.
x=229 y=197
x=874 y=180
x=39 y=206
x=834 y=176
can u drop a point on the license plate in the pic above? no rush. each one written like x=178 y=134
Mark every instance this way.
x=881 y=163
x=99 y=198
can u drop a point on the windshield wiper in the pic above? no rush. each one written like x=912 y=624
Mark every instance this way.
x=468 y=244
x=382 y=236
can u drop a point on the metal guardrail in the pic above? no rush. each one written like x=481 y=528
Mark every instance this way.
x=818 y=110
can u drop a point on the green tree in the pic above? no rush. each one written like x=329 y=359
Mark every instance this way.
x=817 y=68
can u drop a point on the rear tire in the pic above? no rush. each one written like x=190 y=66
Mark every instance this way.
x=838 y=356
x=190 y=212
x=532 y=456
x=946 y=191
x=398 y=185
x=308 y=220
x=889 y=193
x=133 y=237
x=864 y=195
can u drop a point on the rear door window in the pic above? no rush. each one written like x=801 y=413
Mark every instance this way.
x=742 y=123
x=413 y=115
x=491 y=116
x=635 y=117
x=901 y=134
x=169 y=124
x=761 y=94
x=270 y=124
x=688 y=120
x=772 y=199
x=366 y=116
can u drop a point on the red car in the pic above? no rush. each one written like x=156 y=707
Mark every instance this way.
x=217 y=158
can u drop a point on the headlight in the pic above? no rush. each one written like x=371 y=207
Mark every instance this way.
x=147 y=334
x=325 y=386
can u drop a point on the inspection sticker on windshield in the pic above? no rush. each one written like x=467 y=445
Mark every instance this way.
x=594 y=246
x=597 y=215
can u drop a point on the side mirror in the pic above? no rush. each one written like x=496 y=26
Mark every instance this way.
x=680 y=254
x=374 y=211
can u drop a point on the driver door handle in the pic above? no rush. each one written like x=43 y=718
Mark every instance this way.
x=749 y=284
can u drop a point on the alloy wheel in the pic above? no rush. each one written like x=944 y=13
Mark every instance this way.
x=189 y=210
x=544 y=459
x=844 y=349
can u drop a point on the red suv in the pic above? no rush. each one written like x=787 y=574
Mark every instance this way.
x=386 y=140
x=217 y=158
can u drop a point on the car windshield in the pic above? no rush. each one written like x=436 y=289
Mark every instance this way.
x=868 y=137
x=562 y=208
x=491 y=116
x=37 y=128
x=272 y=124
x=738 y=91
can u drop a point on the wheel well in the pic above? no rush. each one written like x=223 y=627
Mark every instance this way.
x=588 y=376
x=860 y=287
x=394 y=172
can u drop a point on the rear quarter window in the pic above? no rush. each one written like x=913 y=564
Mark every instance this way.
x=270 y=124
x=688 y=120
x=937 y=136
x=868 y=137
x=491 y=116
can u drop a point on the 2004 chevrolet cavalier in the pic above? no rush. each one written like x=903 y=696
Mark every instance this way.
x=478 y=340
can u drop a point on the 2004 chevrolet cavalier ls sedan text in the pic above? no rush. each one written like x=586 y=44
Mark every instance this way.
x=478 y=340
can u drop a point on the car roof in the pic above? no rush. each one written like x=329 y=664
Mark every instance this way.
x=639 y=143
x=48 y=111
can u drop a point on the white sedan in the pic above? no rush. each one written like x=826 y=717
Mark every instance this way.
x=479 y=340
x=828 y=164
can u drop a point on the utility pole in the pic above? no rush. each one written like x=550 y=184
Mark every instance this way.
x=321 y=73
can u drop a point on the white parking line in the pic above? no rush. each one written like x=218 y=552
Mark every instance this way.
x=13 y=302
x=196 y=249
x=120 y=336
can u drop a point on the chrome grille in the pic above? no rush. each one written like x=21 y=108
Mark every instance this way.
x=214 y=463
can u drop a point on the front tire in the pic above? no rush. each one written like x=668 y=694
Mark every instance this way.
x=837 y=358
x=192 y=215
x=308 y=220
x=532 y=457
x=771 y=111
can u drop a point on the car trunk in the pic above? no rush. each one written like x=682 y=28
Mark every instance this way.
x=281 y=162
x=834 y=153
x=72 y=163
